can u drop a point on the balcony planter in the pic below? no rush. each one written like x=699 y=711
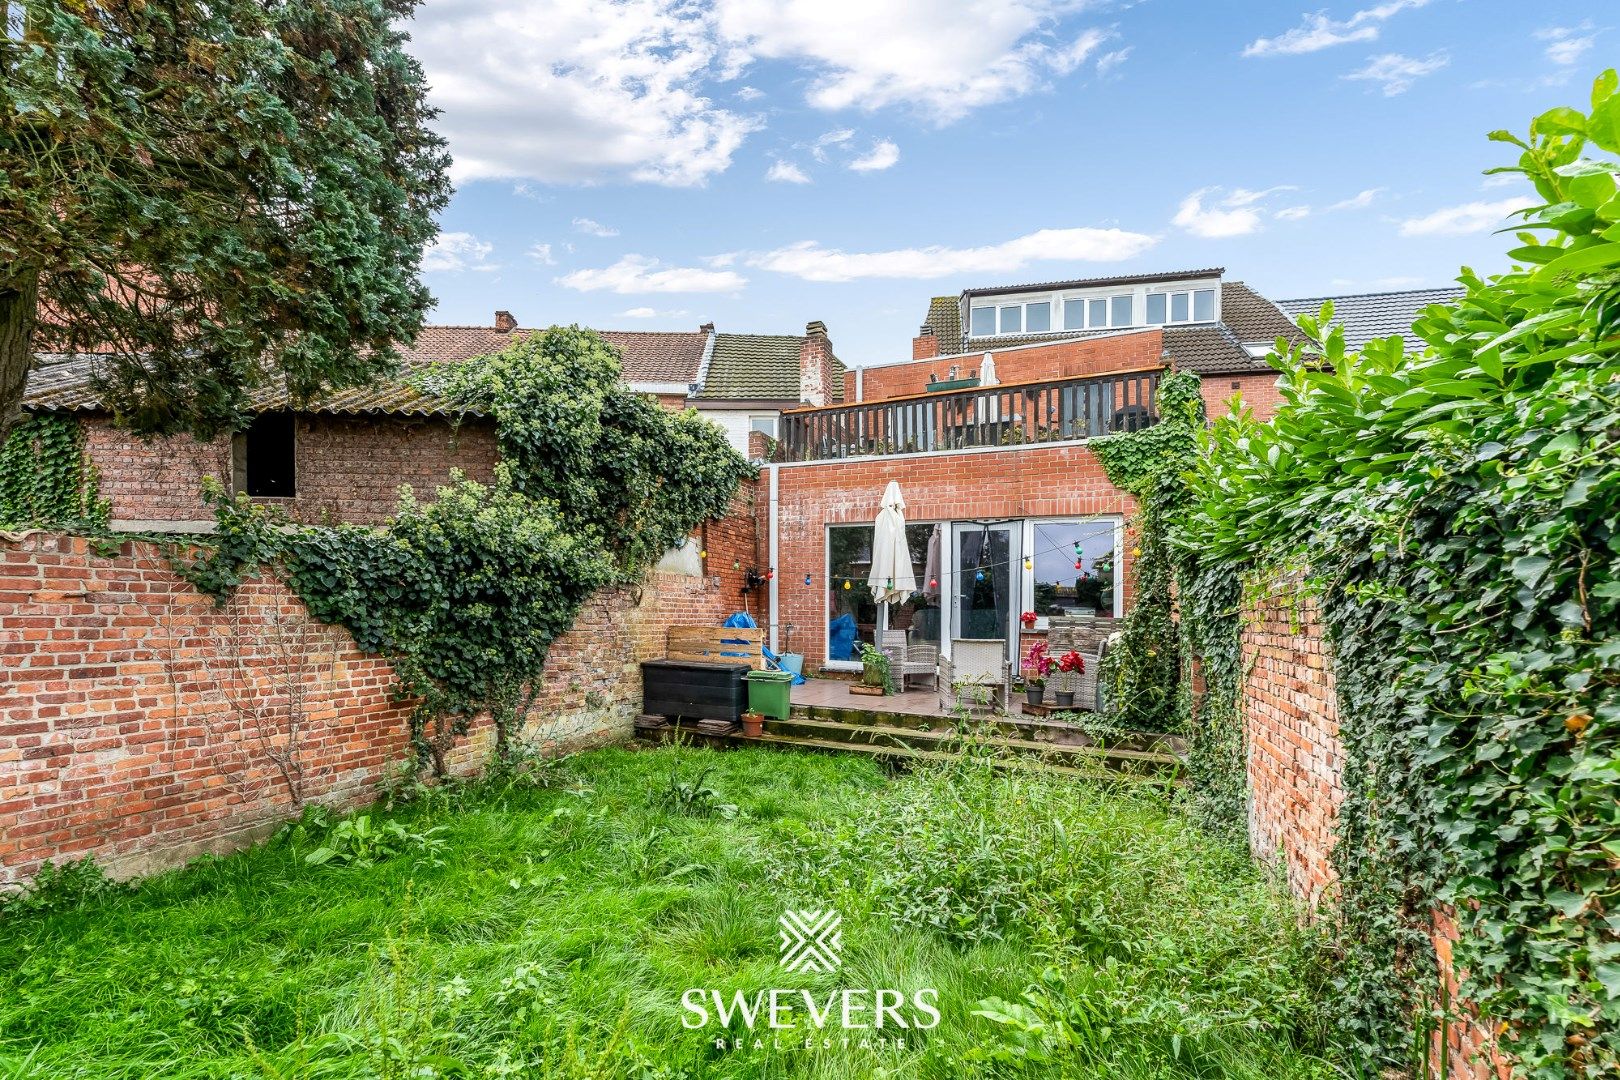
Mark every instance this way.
x=952 y=384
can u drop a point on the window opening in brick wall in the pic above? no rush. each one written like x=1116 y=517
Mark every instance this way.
x=263 y=459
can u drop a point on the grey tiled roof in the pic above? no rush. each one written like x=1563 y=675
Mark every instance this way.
x=63 y=383
x=1365 y=316
x=945 y=320
x=758 y=367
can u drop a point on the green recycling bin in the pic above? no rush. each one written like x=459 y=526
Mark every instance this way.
x=770 y=693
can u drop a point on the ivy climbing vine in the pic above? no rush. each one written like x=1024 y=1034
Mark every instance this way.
x=468 y=592
x=1458 y=510
x=45 y=477
x=1140 y=674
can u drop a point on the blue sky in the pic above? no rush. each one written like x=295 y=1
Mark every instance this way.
x=657 y=164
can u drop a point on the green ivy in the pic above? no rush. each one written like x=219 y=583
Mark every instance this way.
x=46 y=478
x=467 y=593
x=1459 y=510
x=1140 y=675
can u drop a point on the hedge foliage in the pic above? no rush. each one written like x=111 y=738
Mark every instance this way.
x=1456 y=496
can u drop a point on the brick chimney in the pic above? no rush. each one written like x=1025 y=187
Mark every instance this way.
x=817 y=372
x=706 y=328
x=505 y=323
x=925 y=344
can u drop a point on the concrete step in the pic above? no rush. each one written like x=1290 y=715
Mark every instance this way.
x=951 y=740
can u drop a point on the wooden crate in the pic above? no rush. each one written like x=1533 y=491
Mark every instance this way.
x=742 y=646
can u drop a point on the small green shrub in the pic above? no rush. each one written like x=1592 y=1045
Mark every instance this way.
x=360 y=841
x=693 y=798
x=60 y=888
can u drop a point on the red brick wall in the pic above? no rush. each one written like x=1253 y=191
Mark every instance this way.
x=348 y=468
x=135 y=715
x=924 y=346
x=1059 y=359
x=1291 y=722
x=1258 y=391
x=1289 y=708
x=1015 y=483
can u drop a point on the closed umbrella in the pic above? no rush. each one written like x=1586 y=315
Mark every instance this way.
x=892 y=578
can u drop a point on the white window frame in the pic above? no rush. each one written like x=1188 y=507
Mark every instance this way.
x=1059 y=300
x=1028 y=585
x=773 y=419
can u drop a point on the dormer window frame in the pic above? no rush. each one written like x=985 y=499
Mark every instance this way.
x=1094 y=309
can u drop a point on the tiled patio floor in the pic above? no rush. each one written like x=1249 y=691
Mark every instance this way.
x=834 y=694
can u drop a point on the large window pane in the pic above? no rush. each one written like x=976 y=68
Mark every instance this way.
x=1155 y=308
x=1178 y=307
x=853 y=615
x=1012 y=319
x=1074 y=314
x=1063 y=588
x=1204 y=305
x=1037 y=317
x=1122 y=311
x=1099 y=313
x=984 y=321
x=851 y=612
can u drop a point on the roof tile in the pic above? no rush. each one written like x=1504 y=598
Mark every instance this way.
x=1365 y=316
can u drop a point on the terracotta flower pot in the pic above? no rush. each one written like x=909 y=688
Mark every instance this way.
x=753 y=724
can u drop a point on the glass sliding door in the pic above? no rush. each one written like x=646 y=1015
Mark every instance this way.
x=986 y=574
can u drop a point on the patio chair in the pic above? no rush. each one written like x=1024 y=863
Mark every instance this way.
x=974 y=663
x=909 y=661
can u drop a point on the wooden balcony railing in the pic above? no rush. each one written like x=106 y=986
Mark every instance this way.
x=1011 y=415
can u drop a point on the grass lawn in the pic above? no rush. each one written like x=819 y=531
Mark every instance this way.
x=551 y=930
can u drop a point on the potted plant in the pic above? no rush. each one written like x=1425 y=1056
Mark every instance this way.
x=1037 y=666
x=1071 y=665
x=1028 y=619
x=875 y=669
x=753 y=724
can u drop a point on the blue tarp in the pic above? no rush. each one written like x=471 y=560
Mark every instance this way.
x=841 y=637
x=743 y=620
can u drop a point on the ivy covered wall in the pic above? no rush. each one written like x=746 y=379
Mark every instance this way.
x=46 y=480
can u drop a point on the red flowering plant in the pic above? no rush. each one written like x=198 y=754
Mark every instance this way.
x=1072 y=662
x=1038 y=664
x=1028 y=619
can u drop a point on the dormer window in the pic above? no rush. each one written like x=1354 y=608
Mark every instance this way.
x=1120 y=306
x=1186 y=305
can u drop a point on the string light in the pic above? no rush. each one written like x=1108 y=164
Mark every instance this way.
x=704 y=553
x=847 y=585
x=1029 y=563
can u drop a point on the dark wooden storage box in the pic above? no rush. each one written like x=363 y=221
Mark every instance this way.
x=692 y=688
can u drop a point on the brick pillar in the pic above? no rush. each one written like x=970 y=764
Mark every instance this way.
x=816 y=369
x=505 y=322
x=925 y=345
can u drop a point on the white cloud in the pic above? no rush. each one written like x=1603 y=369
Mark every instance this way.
x=785 y=172
x=1359 y=201
x=882 y=155
x=1237 y=214
x=541 y=253
x=1459 y=220
x=1292 y=213
x=1395 y=73
x=944 y=59
x=453 y=252
x=1319 y=31
x=652 y=90
x=589 y=92
x=825 y=143
x=593 y=228
x=1107 y=62
x=643 y=274
x=812 y=262
x=1567 y=44
x=648 y=313
x=526 y=191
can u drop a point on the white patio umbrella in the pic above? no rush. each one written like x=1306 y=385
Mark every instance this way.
x=892 y=578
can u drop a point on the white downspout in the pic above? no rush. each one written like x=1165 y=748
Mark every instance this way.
x=777 y=577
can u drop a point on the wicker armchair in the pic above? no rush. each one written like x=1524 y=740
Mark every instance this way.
x=974 y=663
x=907 y=661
